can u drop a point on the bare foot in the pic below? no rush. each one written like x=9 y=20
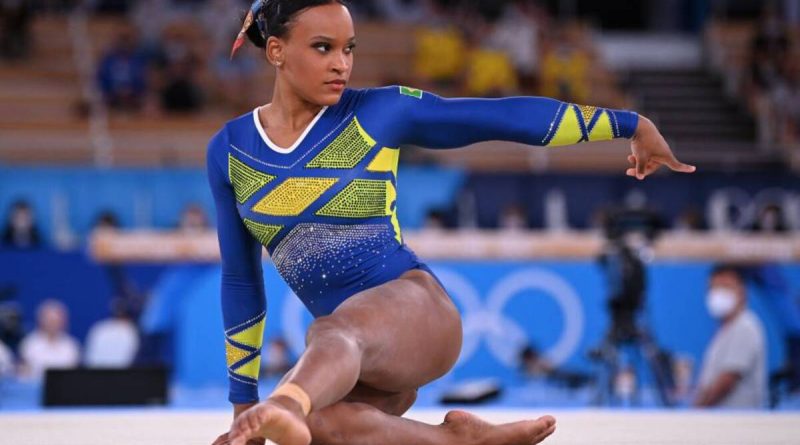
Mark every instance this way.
x=471 y=430
x=278 y=419
x=223 y=440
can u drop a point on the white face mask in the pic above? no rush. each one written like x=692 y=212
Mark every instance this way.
x=721 y=302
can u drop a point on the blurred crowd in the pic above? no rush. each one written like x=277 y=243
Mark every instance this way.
x=116 y=342
x=172 y=56
x=110 y=343
x=770 y=217
x=772 y=83
x=21 y=231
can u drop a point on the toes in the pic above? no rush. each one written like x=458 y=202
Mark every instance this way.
x=547 y=420
x=545 y=434
x=456 y=416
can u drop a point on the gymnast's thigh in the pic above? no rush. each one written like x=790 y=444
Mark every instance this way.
x=408 y=328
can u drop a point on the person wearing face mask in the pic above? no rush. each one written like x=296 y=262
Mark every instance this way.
x=21 y=231
x=734 y=373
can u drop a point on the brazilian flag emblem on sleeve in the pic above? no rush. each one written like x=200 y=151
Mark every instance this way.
x=413 y=92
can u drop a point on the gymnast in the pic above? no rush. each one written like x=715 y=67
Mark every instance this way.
x=312 y=177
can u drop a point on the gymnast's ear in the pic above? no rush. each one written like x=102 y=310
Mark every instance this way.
x=275 y=51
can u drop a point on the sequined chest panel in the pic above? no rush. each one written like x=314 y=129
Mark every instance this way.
x=329 y=212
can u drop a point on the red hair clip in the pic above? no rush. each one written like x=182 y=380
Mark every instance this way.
x=248 y=20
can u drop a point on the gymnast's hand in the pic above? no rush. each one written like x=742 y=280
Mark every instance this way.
x=650 y=151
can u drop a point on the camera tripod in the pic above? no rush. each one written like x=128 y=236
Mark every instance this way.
x=623 y=355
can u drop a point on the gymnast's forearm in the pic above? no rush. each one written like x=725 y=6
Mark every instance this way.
x=538 y=121
x=244 y=315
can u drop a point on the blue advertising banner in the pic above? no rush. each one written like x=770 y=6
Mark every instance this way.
x=557 y=307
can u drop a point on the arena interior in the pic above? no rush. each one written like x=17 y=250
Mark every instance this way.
x=585 y=293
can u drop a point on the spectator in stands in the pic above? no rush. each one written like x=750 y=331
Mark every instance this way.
x=513 y=218
x=516 y=33
x=785 y=97
x=772 y=36
x=49 y=346
x=440 y=48
x=6 y=360
x=11 y=332
x=15 y=21
x=690 y=220
x=122 y=73
x=565 y=66
x=113 y=342
x=150 y=17
x=178 y=72
x=106 y=220
x=771 y=220
x=21 y=231
x=193 y=220
x=277 y=358
x=767 y=81
x=490 y=73
x=734 y=371
x=434 y=220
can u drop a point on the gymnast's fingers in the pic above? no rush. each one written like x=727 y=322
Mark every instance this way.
x=679 y=166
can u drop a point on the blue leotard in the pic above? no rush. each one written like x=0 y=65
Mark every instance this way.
x=325 y=207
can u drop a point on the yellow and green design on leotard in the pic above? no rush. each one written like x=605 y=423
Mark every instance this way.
x=243 y=349
x=262 y=232
x=293 y=196
x=580 y=123
x=347 y=150
x=385 y=161
x=245 y=180
x=362 y=198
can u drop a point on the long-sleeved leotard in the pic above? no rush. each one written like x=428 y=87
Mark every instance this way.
x=325 y=207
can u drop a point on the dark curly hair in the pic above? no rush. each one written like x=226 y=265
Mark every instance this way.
x=273 y=17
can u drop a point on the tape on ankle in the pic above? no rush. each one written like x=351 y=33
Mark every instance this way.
x=295 y=393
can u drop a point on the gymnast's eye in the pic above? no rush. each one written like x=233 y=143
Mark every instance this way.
x=322 y=47
x=349 y=48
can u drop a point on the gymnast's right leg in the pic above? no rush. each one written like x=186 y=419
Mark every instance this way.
x=354 y=423
x=372 y=417
x=394 y=338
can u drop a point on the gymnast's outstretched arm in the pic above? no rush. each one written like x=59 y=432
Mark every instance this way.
x=243 y=299
x=448 y=123
x=427 y=120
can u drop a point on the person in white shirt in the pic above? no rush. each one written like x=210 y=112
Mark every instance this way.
x=49 y=346
x=113 y=342
x=734 y=372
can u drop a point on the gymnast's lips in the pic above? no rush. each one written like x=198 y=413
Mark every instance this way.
x=336 y=85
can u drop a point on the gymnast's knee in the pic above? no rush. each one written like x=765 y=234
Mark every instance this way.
x=333 y=327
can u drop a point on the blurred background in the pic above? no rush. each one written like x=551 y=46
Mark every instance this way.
x=579 y=286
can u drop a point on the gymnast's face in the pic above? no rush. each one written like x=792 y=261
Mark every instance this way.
x=315 y=58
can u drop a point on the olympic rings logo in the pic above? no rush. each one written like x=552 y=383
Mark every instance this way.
x=486 y=322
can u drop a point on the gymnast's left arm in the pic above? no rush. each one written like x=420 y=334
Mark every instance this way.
x=435 y=122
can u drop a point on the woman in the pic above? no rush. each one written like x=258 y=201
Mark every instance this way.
x=312 y=177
